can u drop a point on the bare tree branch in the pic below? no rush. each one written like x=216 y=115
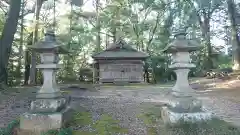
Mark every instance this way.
x=5 y=12
x=153 y=32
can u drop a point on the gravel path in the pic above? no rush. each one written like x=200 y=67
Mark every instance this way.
x=224 y=105
x=123 y=109
x=15 y=104
x=123 y=103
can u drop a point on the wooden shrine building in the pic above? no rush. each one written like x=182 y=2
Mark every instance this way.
x=120 y=63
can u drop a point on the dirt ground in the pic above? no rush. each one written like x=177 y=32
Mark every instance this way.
x=221 y=98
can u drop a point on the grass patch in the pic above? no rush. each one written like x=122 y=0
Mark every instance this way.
x=211 y=127
x=76 y=132
x=106 y=125
x=152 y=119
x=63 y=131
x=10 y=128
x=150 y=116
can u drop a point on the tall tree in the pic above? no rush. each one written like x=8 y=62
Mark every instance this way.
x=232 y=13
x=33 y=70
x=27 y=60
x=98 y=27
x=203 y=10
x=21 y=40
x=7 y=37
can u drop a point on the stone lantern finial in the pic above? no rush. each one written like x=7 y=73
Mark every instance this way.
x=49 y=44
x=180 y=34
x=181 y=44
x=50 y=35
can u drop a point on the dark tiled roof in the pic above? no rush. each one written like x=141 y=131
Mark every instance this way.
x=120 y=49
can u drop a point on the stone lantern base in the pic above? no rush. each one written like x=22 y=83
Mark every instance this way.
x=45 y=114
x=43 y=122
x=172 y=118
x=184 y=109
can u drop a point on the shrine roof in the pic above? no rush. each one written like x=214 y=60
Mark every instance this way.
x=120 y=49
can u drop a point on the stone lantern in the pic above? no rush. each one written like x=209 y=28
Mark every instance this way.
x=50 y=109
x=183 y=105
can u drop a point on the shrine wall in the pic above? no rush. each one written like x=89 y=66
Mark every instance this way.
x=121 y=70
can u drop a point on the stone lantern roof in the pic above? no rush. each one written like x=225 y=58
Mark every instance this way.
x=49 y=44
x=181 y=44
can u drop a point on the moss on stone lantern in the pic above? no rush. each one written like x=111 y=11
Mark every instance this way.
x=49 y=110
x=183 y=105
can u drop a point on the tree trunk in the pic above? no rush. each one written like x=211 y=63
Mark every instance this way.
x=114 y=32
x=146 y=72
x=107 y=40
x=21 y=43
x=138 y=43
x=116 y=25
x=205 y=28
x=27 y=61
x=33 y=70
x=7 y=38
x=208 y=45
x=98 y=27
x=235 y=39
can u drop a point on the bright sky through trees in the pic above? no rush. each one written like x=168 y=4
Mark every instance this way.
x=89 y=5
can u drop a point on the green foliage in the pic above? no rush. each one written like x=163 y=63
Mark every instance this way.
x=9 y=129
x=224 y=61
x=51 y=132
x=77 y=132
x=85 y=74
x=159 y=67
x=65 y=131
x=2 y=20
x=147 y=24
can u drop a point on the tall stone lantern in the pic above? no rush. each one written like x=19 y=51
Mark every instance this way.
x=183 y=106
x=50 y=110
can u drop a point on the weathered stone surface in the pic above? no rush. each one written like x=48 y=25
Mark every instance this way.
x=28 y=132
x=182 y=84
x=49 y=88
x=48 y=105
x=185 y=105
x=39 y=122
x=50 y=110
x=173 y=118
